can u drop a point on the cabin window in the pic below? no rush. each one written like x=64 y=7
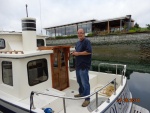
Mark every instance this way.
x=7 y=75
x=72 y=63
x=40 y=42
x=2 y=43
x=37 y=71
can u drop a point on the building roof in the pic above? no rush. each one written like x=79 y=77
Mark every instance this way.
x=93 y=20
x=112 y=19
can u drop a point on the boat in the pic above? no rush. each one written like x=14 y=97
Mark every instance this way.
x=37 y=78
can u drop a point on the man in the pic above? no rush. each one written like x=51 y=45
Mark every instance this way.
x=83 y=63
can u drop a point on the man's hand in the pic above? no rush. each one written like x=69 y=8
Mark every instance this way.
x=75 y=53
x=80 y=53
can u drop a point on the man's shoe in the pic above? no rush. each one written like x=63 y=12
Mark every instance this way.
x=85 y=103
x=78 y=95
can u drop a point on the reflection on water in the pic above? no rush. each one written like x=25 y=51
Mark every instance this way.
x=139 y=84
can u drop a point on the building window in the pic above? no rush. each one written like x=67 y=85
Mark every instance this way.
x=74 y=29
x=63 y=31
x=89 y=27
x=86 y=26
x=37 y=71
x=40 y=42
x=71 y=30
x=51 y=32
x=68 y=30
x=58 y=32
x=7 y=75
x=79 y=26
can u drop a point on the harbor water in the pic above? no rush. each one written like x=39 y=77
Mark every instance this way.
x=139 y=84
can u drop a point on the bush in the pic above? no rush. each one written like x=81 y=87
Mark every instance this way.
x=90 y=35
x=64 y=37
x=148 y=26
x=59 y=37
x=72 y=36
x=132 y=31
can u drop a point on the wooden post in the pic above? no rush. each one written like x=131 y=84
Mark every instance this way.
x=55 y=32
x=65 y=30
x=77 y=27
x=108 y=29
x=120 y=25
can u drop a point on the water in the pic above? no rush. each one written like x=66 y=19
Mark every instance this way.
x=139 y=85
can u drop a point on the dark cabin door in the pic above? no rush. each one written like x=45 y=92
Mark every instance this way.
x=59 y=60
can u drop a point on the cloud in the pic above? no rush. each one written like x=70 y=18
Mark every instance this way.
x=58 y=12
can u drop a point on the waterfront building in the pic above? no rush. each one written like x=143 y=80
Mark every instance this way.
x=92 y=26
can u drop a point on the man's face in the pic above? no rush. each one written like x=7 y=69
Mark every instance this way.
x=81 y=34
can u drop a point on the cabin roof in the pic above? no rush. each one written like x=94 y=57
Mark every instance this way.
x=25 y=54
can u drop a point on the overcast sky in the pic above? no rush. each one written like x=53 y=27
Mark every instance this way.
x=58 y=12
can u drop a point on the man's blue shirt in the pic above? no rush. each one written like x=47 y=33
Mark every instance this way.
x=83 y=61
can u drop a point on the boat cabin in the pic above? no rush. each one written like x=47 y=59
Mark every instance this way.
x=27 y=64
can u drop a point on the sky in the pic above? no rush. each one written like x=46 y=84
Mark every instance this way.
x=50 y=13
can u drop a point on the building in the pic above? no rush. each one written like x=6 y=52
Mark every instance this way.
x=92 y=26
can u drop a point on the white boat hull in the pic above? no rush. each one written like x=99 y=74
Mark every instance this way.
x=6 y=107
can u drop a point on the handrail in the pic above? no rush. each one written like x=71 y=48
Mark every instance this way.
x=123 y=71
x=72 y=98
x=112 y=64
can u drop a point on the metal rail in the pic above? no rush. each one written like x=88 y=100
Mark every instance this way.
x=116 y=65
x=71 y=98
x=79 y=98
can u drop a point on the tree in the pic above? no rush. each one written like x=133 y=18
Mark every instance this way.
x=136 y=25
x=148 y=26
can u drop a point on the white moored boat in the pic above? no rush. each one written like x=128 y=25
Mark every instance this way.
x=35 y=79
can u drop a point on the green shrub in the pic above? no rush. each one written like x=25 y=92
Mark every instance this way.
x=148 y=26
x=135 y=29
x=138 y=29
x=64 y=37
x=132 y=31
x=59 y=37
x=71 y=36
x=90 y=35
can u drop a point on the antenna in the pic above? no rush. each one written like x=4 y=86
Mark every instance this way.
x=40 y=16
x=27 y=9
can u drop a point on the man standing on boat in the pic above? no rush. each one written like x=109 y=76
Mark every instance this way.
x=83 y=62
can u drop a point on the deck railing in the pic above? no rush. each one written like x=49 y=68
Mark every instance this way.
x=116 y=66
x=79 y=98
x=72 y=98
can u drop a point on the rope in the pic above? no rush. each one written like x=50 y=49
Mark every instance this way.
x=108 y=91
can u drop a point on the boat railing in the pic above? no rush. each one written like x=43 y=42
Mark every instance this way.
x=116 y=66
x=73 y=98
